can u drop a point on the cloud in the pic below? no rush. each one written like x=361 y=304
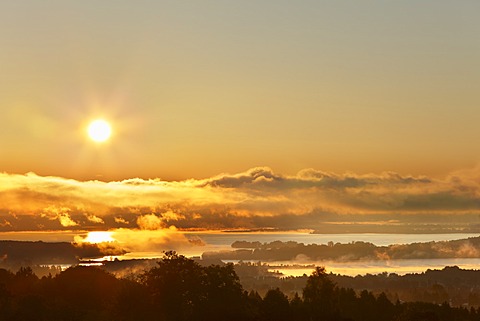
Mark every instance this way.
x=256 y=198
x=172 y=216
x=121 y=220
x=59 y=213
x=95 y=219
x=66 y=221
x=5 y=223
x=135 y=240
x=150 y=222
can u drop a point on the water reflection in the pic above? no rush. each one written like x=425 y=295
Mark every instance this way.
x=400 y=267
x=379 y=239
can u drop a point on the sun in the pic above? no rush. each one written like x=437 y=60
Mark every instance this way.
x=99 y=237
x=99 y=130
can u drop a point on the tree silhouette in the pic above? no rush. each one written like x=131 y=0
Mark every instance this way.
x=132 y=302
x=83 y=293
x=319 y=296
x=275 y=306
x=223 y=294
x=253 y=302
x=297 y=308
x=349 y=304
x=24 y=282
x=179 y=289
x=176 y=287
x=6 y=279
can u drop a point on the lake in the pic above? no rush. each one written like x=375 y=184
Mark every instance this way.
x=215 y=241
x=226 y=239
x=222 y=241
x=400 y=267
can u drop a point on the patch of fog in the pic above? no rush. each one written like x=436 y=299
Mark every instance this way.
x=379 y=239
x=401 y=267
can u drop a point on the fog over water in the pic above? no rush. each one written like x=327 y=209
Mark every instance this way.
x=307 y=238
x=351 y=268
x=227 y=238
x=400 y=267
x=223 y=241
x=219 y=241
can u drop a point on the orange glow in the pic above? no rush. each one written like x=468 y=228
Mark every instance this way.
x=99 y=237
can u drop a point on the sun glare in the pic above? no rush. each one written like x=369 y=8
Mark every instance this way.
x=99 y=130
x=99 y=237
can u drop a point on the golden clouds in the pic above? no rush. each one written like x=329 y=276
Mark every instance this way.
x=121 y=220
x=150 y=222
x=257 y=198
x=59 y=213
x=140 y=240
x=94 y=219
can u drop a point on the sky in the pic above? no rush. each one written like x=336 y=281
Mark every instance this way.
x=299 y=99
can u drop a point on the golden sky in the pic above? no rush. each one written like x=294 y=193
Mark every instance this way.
x=197 y=88
x=239 y=114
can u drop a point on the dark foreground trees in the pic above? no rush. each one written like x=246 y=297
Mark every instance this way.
x=179 y=289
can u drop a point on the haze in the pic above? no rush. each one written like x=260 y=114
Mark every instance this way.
x=194 y=89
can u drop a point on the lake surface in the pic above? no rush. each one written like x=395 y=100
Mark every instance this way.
x=222 y=241
x=226 y=239
x=400 y=267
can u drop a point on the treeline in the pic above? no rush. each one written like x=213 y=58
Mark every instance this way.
x=179 y=289
x=454 y=285
x=354 y=251
x=23 y=253
x=14 y=253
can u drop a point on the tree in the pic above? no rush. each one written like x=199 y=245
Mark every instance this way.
x=319 y=296
x=348 y=303
x=83 y=293
x=176 y=287
x=367 y=304
x=297 y=308
x=5 y=303
x=6 y=279
x=253 y=302
x=181 y=289
x=132 y=302
x=223 y=294
x=385 y=308
x=275 y=306
x=24 y=282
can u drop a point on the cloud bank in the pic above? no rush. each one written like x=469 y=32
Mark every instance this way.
x=258 y=198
